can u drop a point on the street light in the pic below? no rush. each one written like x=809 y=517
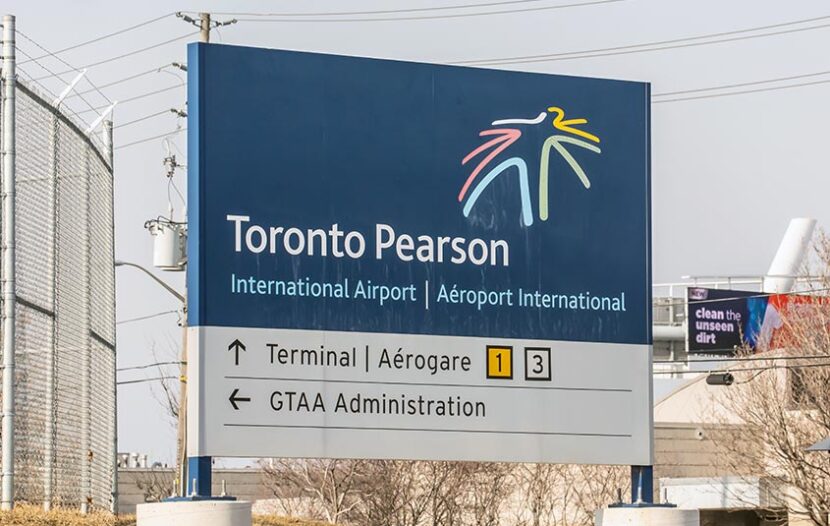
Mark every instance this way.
x=182 y=444
x=167 y=287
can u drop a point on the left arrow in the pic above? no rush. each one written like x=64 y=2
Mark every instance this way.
x=234 y=399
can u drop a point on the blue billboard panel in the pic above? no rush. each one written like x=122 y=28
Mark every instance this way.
x=399 y=260
x=349 y=194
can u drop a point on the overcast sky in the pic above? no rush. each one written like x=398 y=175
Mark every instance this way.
x=728 y=172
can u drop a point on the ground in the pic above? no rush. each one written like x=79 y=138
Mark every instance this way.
x=35 y=516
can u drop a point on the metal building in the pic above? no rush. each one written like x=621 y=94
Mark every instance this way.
x=64 y=440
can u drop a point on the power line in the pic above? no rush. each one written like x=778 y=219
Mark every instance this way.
x=76 y=114
x=259 y=16
x=148 y=366
x=125 y=55
x=174 y=132
x=736 y=359
x=62 y=61
x=653 y=46
x=137 y=97
x=425 y=17
x=144 y=118
x=744 y=92
x=741 y=84
x=143 y=380
x=759 y=295
x=103 y=37
x=654 y=102
x=665 y=94
x=149 y=93
x=147 y=317
x=748 y=369
x=119 y=81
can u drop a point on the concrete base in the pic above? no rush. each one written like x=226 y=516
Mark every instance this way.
x=194 y=513
x=647 y=517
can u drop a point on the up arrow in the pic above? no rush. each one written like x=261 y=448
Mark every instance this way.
x=234 y=399
x=236 y=346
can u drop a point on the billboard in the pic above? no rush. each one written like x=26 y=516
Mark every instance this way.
x=402 y=260
x=723 y=321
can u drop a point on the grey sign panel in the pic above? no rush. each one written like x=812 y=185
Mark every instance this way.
x=299 y=393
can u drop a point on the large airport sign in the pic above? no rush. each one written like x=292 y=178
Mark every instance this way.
x=401 y=260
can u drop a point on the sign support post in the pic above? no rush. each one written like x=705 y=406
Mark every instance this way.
x=200 y=481
x=642 y=485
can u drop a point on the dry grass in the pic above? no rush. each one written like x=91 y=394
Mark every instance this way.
x=268 y=520
x=35 y=516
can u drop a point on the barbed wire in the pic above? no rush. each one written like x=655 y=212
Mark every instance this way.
x=35 y=81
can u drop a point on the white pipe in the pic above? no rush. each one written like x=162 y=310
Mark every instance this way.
x=101 y=117
x=8 y=149
x=59 y=99
x=787 y=261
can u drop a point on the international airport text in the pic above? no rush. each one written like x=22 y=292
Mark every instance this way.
x=383 y=294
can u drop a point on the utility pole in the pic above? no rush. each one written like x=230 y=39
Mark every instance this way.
x=181 y=456
x=9 y=296
x=205 y=23
x=181 y=440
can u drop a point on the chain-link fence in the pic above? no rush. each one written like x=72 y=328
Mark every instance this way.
x=65 y=310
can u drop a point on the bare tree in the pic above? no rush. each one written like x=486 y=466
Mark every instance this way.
x=592 y=487
x=156 y=484
x=407 y=493
x=487 y=487
x=330 y=485
x=166 y=392
x=393 y=493
x=536 y=486
x=783 y=405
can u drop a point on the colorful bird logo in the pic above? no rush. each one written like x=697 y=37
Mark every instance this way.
x=504 y=137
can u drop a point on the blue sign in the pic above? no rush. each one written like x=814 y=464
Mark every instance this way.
x=352 y=194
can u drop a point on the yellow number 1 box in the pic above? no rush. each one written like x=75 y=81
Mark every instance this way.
x=499 y=361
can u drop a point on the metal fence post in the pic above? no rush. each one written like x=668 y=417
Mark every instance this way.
x=49 y=453
x=9 y=299
x=86 y=448
x=109 y=152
